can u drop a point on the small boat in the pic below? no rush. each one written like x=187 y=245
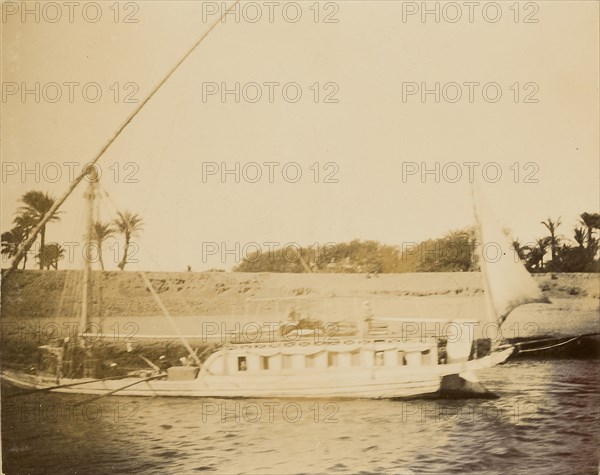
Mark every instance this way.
x=352 y=368
x=372 y=363
x=367 y=365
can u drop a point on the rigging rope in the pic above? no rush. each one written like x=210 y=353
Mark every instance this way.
x=528 y=350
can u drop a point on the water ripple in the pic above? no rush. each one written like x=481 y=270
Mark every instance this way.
x=546 y=422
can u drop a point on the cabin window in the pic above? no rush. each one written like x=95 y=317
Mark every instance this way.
x=332 y=359
x=379 y=358
x=242 y=364
x=286 y=362
x=264 y=362
x=356 y=360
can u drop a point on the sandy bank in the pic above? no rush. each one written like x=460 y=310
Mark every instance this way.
x=244 y=297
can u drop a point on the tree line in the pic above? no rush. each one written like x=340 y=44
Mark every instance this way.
x=454 y=252
x=576 y=255
x=33 y=207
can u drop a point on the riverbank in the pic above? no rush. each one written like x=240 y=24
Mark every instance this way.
x=39 y=305
x=45 y=295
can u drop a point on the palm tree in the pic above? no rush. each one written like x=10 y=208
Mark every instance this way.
x=100 y=233
x=520 y=249
x=579 y=236
x=50 y=255
x=592 y=222
x=11 y=241
x=542 y=247
x=554 y=240
x=129 y=224
x=35 y=206
x=14 y=239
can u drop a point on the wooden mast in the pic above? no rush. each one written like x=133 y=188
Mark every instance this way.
x=86 y=289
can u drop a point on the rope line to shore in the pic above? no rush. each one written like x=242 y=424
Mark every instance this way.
x=549 y=347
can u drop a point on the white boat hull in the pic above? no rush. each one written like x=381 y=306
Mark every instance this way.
x=372 y=383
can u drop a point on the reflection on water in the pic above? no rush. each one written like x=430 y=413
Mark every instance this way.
x=546 y=421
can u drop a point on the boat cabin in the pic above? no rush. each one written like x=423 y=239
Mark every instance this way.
x=289 y=357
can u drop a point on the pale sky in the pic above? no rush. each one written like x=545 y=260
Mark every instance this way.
x=370 y=134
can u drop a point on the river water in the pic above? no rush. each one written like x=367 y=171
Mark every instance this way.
x=546 y=421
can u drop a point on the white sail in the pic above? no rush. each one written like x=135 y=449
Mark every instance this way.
x=506 y=281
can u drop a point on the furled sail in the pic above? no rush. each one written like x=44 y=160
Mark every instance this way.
x=506 y=281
